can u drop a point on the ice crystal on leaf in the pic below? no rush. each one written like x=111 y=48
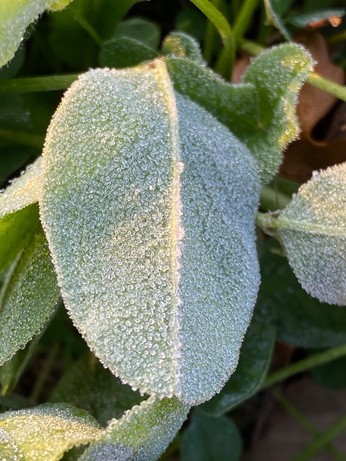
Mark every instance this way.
x=148 y=203
x=46 y=432
x=156 y=422
x=15 y=17
x=313 y=231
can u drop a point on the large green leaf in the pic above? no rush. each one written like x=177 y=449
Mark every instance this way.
x=260 y=111
x=142 y=434
x=254 y=361
x=313 y=231
x=148 y=203
x=9 y=451
x=301 y=320
x=46 y=432
x=89 y=386
x=211 y=439
x=15 y=17
x=28 y=297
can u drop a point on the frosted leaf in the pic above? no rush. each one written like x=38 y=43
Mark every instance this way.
x=142 y=434
x=15 y=17
x=261 y=110
x=8 y=449
x=182 y=45
x=19 y=213
x=48 y=431
x=313 y=231
x=149 y=211
x=23 y=191
x=28 y=297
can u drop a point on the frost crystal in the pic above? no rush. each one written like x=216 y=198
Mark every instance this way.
x=45 y=433
x=15 y=17
x=313 y=230
x=148 y=204
x=156 y=423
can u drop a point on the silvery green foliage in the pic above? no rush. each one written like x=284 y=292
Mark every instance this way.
x=19 y=214
x=46 y=432
x=182 y=45
x=8 y=449
x=15 y=17
x=313 y=231
x=28 y=297
x=23 y=191
x=148 y=204
x=274 y=19
x=261 y=110
x=155 y=421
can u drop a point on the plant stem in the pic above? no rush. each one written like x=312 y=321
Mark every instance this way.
x=305 y=423
x=210 y=35
x=22 y=138
x=244 y=17
x=88 y=29
x=226 y=59
x=328 y=86
x=322 y=440
x=37 y=84
x=304 y=365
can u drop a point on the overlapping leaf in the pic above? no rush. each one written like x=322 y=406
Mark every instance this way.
x=313 y=231
x=15 y=17
x=46 y=432
x=261 y=111
x=142 y=434
x=28 y=297
x=148 y=204
x=182 y=45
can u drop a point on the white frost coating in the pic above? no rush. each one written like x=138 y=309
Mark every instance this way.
x=156 y=422
x=313 y=230
x=219 y=270
x=28 y=297
x=110 y=210
x=8 y=449
x=23 y=191
x=46 y=432
x=15 y=17
x=162 y=298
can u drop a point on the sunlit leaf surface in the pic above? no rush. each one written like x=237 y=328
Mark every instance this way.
x=149 y=207
x=15 y=17
x=142 y=434
x=46 y=432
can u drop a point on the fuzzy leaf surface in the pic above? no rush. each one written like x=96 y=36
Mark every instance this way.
x=313 y=230
x=15 y=17
x=46 y=432
x=28 y=297
x=261 y=110
x=19 y=214
x=183 y=45
x=142 y=434
x=9 y=451
x=167 y=263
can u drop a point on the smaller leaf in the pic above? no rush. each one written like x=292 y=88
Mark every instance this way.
x=182 y=45
x=89 y=386
x=15 y=17
x=48 y=431
x=125 y=52
x=211 y=439
x=254 y=361
x=141 y=30
x=305 y=19
x=142 y=434
x=313 y=230
x=28 y=297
